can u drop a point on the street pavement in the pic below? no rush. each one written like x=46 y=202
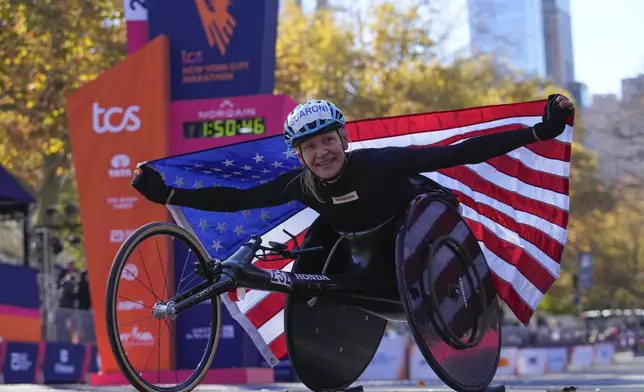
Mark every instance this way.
x=626 y=375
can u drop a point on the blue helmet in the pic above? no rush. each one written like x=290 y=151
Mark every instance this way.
x=310 y=118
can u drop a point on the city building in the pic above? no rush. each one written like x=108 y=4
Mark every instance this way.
x=579 y=93
x=510 y=30
x=633 y=88
x=612 y=131
x=560 y=64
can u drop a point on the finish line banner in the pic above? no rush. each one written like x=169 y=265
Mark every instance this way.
x=218 y=48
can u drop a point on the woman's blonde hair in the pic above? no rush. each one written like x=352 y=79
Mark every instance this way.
x=308 y=179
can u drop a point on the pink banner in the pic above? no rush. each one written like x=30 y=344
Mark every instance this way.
x=137 y=36
x=205 y=123
x=136 y=23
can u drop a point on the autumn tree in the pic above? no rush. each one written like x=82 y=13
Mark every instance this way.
x=49 y=48
x=385 y=64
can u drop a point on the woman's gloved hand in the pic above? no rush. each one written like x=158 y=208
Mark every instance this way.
x=150 y=184
x=556 y=111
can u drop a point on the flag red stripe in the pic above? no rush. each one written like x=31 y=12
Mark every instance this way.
x=538 y=238
x=513 y=255
x=551 y=149
x=508 y=294
x=487 y=131
x=266 y=309
x=278 y=346
x=368 y=129
x=517 y=201
x=515 y=168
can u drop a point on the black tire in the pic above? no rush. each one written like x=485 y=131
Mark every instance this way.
x=130 y=244
x=319 y=366
x=427 y=333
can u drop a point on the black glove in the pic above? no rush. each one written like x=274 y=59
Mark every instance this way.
x=150 y=184
x=553 y=120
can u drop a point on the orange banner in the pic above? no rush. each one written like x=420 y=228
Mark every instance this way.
x=115 y=121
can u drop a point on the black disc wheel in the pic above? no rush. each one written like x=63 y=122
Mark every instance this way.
x=448 y=293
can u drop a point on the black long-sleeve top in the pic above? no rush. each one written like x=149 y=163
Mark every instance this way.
x=374 y=186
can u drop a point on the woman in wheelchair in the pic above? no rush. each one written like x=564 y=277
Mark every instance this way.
x=353 y=191
x=392 y=263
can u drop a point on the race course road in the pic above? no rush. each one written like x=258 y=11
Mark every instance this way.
x=627 y=376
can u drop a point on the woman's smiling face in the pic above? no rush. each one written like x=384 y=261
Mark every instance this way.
x=323 y=154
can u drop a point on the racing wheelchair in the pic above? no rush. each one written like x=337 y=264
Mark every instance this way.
x=341 y=292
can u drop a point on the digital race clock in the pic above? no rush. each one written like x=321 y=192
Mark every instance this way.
x=223 y=128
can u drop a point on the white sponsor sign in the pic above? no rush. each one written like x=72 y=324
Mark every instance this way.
x=19 y=362
x=419 y=369
x=581 y=356
x=508 y=361
x=557 y=359
x=226 y=109
x=135 y=10
x=129 y=305
x=388 y=360
x=122 y=202
x=532 y=361
x=119 y=235
x=115 y=119
x=63 y=366
x=604 y=353
x=130 y=272
x=120 y=166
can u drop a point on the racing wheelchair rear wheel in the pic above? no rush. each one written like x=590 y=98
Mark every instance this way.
x=131 y=282
x=448 y=294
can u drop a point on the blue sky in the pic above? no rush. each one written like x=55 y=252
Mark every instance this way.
x=608 y=42
x=608 y=37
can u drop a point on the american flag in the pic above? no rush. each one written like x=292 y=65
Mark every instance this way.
x=516 y=204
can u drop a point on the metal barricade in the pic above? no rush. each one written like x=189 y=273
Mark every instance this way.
x=514 y=336
x=71 y=325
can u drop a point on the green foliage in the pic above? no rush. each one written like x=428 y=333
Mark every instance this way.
x=48 y=49
x=386 y=65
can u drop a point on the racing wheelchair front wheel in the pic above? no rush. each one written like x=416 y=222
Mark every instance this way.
x=139 y=321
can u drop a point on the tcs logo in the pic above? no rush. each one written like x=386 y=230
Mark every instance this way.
x=115 y=119
x=218 y=23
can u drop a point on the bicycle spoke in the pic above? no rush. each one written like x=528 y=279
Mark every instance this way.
x=135 y=321
x=136 y=302
x=141 y=334
x=147 y=274
x=152 y=352
x=174 y=344
x=165 y=284
x=159 y=356
x=142 y=284
x=183 y=279
x=184 y=268
x=193 y=278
